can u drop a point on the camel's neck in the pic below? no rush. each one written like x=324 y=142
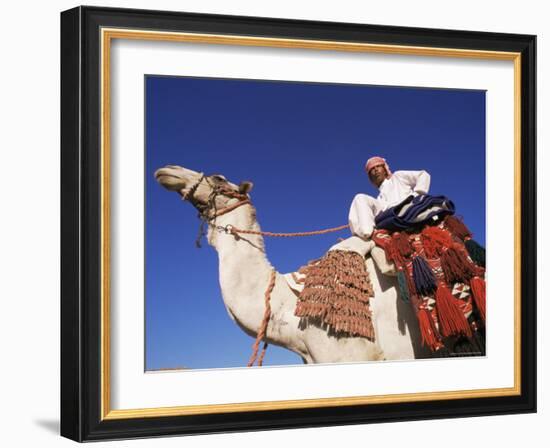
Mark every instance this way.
x=244 y=268
x=250 y=245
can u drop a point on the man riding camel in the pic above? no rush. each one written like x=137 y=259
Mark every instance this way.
x=397 y=188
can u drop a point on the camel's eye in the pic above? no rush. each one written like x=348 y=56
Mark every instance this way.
x=218 y=178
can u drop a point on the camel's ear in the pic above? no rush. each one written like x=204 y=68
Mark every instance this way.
x=245 y=186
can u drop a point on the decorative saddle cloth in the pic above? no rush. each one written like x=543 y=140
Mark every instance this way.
x=415 y=212
x=335 y=290
x=441 y=273
x=353 y=244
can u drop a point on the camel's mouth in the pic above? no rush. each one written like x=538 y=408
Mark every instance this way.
x=170 y=179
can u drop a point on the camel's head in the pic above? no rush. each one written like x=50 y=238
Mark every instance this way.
x=199 y=189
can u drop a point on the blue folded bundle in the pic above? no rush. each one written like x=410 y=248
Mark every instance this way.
x=415 y=211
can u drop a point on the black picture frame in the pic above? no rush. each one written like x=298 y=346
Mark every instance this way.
x=81 y=209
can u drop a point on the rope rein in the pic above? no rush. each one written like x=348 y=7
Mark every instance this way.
x=207 y=217
x=263 y=327
x=232 y=229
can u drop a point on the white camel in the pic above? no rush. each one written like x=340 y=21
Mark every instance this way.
x=244 y=273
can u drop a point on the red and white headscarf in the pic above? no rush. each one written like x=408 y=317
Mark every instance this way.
x=375 y=161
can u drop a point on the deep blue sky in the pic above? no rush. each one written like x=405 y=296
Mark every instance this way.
x=304 y=146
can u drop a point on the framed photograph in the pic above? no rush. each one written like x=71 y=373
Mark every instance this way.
x=273 y=223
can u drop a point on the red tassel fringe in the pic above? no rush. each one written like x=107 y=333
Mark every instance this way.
x=456 y=267
x=440 y=244
x=434 y=240
x=451 y=320
x=430 y=335
x=399 y=248
x=457 y=227
x=478 y=292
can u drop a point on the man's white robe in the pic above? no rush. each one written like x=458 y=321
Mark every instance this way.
x=393 y=190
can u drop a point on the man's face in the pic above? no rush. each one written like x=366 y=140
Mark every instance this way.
x=377 y=174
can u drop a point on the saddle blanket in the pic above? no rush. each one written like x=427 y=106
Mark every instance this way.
x=295 y=280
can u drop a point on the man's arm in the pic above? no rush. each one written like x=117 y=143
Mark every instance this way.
x=419 y=181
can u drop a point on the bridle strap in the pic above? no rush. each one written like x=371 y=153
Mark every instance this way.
x=215 y=192
x=208 y=212
x=230 y=208
x=187 y=196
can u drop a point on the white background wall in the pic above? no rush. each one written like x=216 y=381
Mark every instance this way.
x=29 y=228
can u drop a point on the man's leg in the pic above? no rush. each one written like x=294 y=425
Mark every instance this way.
x=361 y=215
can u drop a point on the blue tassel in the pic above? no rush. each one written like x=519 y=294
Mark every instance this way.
x=403 y=287
x=423 y=276
x=477 y=252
